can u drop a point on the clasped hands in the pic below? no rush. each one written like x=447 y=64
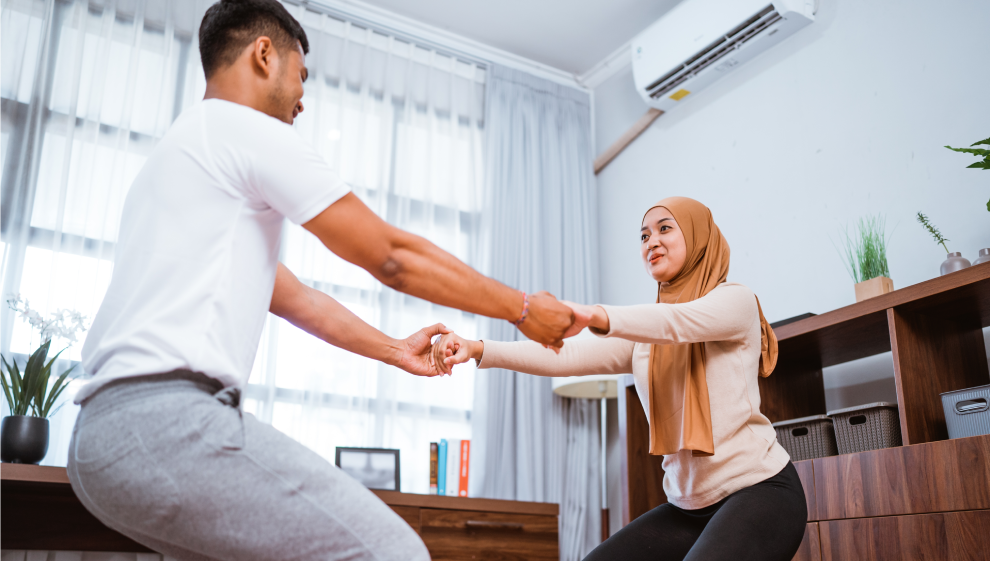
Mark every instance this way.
x=548 y=322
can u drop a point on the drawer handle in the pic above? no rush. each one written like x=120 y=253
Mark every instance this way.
x=488 y=525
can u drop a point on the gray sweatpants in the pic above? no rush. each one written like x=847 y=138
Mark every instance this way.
x=171 y=461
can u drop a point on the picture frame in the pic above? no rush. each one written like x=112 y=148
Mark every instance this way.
x=375 y=468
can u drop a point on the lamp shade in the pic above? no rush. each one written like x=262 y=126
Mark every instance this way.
x=594 y=386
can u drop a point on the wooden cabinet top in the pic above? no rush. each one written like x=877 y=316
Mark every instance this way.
x=860 y=330
x=57 y=476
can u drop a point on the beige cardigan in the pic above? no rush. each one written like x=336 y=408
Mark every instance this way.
x=727 y=321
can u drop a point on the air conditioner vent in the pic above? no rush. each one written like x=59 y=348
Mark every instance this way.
x=731 y=41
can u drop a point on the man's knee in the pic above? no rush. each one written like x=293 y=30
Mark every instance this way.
x=403 y=543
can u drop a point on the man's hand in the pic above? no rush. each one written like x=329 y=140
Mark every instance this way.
x=548 y=320
x=416 y=352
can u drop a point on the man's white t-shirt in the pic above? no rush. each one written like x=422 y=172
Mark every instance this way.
x=198 y=246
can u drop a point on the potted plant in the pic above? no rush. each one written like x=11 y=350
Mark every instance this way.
x=29 y=392
x=954 y=260
x=866 y=259
x=978 y=152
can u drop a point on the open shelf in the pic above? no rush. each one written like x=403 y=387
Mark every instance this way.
x=861 y=330
x=933 y=329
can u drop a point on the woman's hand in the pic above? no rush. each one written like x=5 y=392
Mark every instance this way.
x=587 y=316
x=415 y=353
x=451 y=349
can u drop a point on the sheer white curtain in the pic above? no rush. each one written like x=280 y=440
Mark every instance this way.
x=534 y=445
x=88 y=87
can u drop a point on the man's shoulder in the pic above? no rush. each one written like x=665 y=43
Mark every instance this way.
x=228 y=113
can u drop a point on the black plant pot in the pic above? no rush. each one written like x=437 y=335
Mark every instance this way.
x=23 y=440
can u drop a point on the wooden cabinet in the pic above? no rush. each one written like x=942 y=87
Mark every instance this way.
x=927 y=499
x=41 y=512
x=454 y=534
x=483 y=529
x=955 y=536
x=810 y=549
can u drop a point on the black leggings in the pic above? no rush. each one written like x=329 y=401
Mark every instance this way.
x=765 y=522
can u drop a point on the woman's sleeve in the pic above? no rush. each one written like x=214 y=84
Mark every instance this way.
x=727 y=313
x=576 y=358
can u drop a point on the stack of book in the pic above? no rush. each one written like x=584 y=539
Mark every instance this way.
x=449 y=467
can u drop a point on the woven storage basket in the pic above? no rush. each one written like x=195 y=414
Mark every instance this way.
x=967 y=412
x=867 y=427
x=807 y=438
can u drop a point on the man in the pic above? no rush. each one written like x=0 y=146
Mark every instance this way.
x=161 y=451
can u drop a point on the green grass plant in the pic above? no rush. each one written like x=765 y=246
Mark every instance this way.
x=866 y=250
x=939 y=238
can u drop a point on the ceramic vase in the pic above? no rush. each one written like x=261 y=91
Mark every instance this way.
x=23 y=439
x=984 y=256
x=954 y=262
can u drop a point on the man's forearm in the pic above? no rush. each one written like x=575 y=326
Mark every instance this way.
x=419 y=268
x=410 y=264
x=325 y=318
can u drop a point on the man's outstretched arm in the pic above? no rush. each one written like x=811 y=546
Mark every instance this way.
x=325 y=318
x=411 y=264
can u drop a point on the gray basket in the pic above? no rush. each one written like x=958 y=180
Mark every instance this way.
x=967 y=412
x=867 y=427
x=807 y=438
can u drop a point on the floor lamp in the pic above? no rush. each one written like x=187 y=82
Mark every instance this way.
x=595 y=386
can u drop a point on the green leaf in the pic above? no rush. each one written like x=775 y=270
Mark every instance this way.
x=56 y=391
x=988 y=206
x=6 y=386
x=979 y=165
x=977 y=151
x=985 y=141
x=20 y=403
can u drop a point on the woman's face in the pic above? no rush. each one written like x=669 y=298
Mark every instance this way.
x=662 y=245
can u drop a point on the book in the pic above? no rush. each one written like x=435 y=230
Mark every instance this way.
x=442 y=467
x=433 y=468
x=462 y=485
x=453 y=466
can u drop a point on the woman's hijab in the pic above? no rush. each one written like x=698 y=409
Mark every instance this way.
x=680 y=413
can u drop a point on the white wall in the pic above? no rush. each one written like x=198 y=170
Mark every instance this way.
x=846 y=119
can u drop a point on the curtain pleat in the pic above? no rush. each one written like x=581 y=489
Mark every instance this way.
x=532 y=444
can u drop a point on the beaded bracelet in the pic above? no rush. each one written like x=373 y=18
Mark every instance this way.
x=525 y=311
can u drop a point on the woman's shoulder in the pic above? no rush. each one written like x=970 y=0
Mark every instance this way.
x=733 y=295
x=733 y=290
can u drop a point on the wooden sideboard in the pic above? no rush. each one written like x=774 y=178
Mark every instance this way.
x=927 y=499
x=40 y=511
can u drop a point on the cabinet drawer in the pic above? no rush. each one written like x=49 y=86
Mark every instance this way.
x=955 y=536
x=409 y=515
x=465 y=534
x=811 y=549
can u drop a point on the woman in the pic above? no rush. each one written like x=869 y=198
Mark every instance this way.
x=732 y=491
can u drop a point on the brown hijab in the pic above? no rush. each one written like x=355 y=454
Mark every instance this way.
x=680 y=413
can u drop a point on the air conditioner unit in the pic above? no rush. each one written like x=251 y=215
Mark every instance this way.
x=699 y=41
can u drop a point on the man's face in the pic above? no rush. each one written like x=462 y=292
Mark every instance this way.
x=285 y=97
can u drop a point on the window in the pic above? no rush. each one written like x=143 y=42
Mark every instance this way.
x=87 y=91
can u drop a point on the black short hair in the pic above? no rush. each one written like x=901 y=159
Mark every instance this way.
x=230 y=25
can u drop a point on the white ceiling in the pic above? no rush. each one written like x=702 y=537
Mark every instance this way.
x=571 y=35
